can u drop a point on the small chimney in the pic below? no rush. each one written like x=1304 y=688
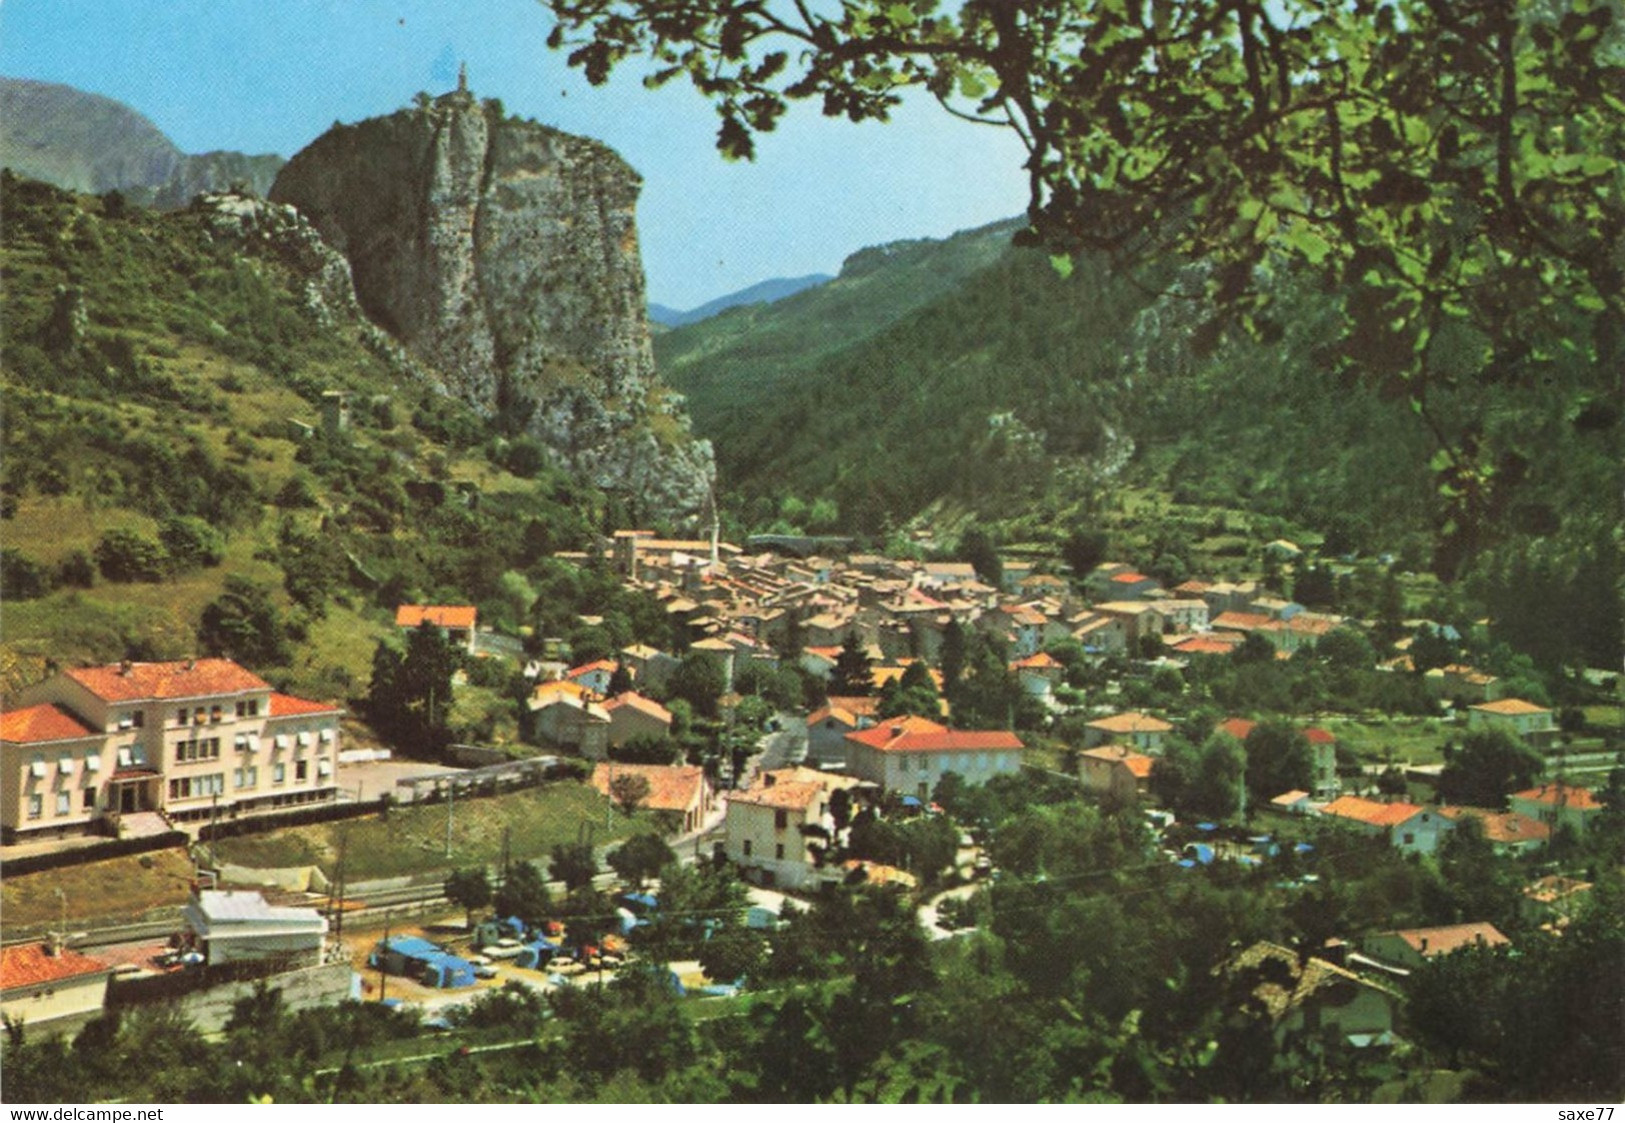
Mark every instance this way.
x=125 y=667
x=53 y=944
x=191 y=664
x=897 y=731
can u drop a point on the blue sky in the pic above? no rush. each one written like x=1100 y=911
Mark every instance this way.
x=271 y=75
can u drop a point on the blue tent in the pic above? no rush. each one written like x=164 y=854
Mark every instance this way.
x=442 y=970
x=1304 y=848
x=1202 y=852
x=645 y=902
x=1206 y=827
x=911 y=801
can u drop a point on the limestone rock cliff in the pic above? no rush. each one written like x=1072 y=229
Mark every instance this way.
x=504 y=254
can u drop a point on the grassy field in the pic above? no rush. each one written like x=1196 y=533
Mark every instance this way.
x=411 y=840
x=1410 y=740
x=116 y=889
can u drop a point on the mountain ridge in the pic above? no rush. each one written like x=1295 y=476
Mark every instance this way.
x=762 y=292
x=83 y=141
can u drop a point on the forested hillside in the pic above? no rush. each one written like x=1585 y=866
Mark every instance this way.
x=1032 y=402
x=165 y=377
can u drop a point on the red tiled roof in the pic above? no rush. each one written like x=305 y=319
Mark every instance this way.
x=1130 y=578
x=1318 y=736
x=39 y=724
x=1503 y=826
x=1241 y=621
x=632 y=700
x=1567 y=795
x=440 y=615
x=1237 y=727
x=588 y=668
x=672 y=787
x=1449 y=938
x=1204 y=645
x=1042 y=661
x=791 y=795
x=193 y=678
x=918 y=734
x=1131 y=723
x=1138 y=763
x=1511 y=707
x=1369 y=811
x=286 y=705
x=30 y=964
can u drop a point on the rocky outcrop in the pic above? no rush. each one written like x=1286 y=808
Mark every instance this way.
x=504 y=254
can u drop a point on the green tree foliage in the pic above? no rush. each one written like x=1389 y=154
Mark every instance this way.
x=647 y=749
x=411 y=692
x=628 y=789
x=1084 y=549
x=126 y=555
x=469 y=889
x=573 y=863
x=244 y=624
x=976 y=547
x=523 y=893
x=191 y=543
x=1307 y=132
x=1278 y=760
x=1490 y=765
x=853 y=675
x=988 y=695
x=21 y=577
x=699 y=681
x=640 y=858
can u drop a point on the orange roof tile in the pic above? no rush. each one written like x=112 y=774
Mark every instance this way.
x=35 y=725
x=918 y=734
x=286 y=705
x=792 y=795
x=1502 y=826
x=588 y=668
x=1369 y=811
x=1561 y=794
x=30 y=964
x=1237 y=727
x=1130 y=578
x=1204 y=645
x=672 y=787
x=191 y=678
x=1131 y=723
x=632 y=700
x=1138 y=763
x=1451 y=937
x=1043 y=661
x=1241 y=621
x=440 y=615
x=1511 y=707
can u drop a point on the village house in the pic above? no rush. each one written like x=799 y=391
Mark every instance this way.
x=631 y=715
x=1142 y=731
x=1507 y=832
x=1413 y=947
x=1099 y=633
x=1296 y=995
x=910 y=755
x=456 y=622
x=592 y=677
x=1408 y=827
x=649 y=666
x=1524 y=720
x=1554 y=899
x=679 y=791
x=1459 y=682
x=1558 y=804
x=566 y=717
x=778 y=830
x=1039 y=674
x=48 y=988
x=1140 y=619
x=91 y=746
x=1115 y=773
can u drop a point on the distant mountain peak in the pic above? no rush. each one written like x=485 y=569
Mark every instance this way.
x=763 y=292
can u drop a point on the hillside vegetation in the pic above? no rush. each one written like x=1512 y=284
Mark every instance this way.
x=1035 y=405
x=166 y=456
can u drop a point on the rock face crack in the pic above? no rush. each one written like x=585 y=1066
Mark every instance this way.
x=504 y=255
